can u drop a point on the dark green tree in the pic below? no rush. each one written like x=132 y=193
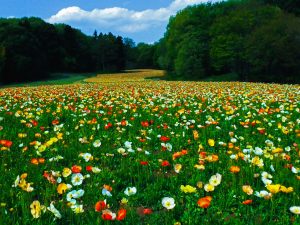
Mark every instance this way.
x=2 y=60
x=192 y=22
x=191 y=59
x=292 y=6
x=273 y=51
x=229 y=34
x=130 y=53
x=145 y=55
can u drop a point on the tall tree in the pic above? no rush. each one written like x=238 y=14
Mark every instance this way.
x=273 y=51
x=130 y=53
x=30 y=49
x=2 y=60
x=192 y=21
x=229 y=34
x=191 y=59
x=292 y=6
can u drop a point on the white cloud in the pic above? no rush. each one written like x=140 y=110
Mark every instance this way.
x=121 y=19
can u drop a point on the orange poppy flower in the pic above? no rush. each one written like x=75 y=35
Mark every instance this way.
x=176 y=155
x=184 y=151
x=76 y=169
x=204 y=202
x=107 y=187
x=247 y=202
x=234 y=169
x=41 y=160
x=214 y=158
x=34 y=161
x=230 y=145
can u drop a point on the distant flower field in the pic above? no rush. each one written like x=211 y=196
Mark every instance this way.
x=150 y=152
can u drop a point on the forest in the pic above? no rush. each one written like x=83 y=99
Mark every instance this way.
x=259 y=40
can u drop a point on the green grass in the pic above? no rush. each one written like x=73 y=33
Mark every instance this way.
x=216 y=78
x=54 y=79
x=223 y=77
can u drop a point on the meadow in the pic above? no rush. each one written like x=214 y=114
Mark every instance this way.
x=122 y=149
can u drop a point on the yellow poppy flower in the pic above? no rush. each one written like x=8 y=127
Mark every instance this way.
x=61 y=188
x=211 y=142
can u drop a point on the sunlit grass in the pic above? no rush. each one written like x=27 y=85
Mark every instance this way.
x=128 y=76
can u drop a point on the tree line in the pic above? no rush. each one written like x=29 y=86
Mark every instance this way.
x=31 y=49
x=258 y=40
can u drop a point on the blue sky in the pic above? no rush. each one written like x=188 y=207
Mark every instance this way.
x=141 y=20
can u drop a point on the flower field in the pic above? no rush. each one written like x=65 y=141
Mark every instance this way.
x=150 y=152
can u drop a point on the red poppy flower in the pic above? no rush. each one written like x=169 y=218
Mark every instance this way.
x=55 y=122
x=144 y=163
x=108 y=125
x=34 y=123
x=145 y=123
x=49 y=177
x=6 y=143
x=202 y=154
x=165 y=163
x=289 y=166
x=89 y=168
x=164 y=138
x=107 y=216
x=121 y=214
x=100 y=205
x=147 y=211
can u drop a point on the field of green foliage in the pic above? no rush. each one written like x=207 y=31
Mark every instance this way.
x=150 y=152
